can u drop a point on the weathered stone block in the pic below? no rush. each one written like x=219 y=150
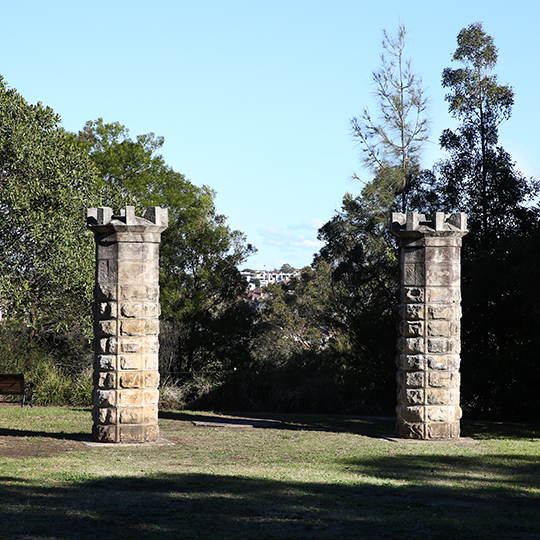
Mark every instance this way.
x=412 y=312
x=439 y=414
x=131 y=345
x=105 y=433
x=141 y=433
x=151 y=396
x=132 y=310
x=443 y=430
x=152 y=293
x=411 y=328
x=151 y=327
x=151 y=361
x=151 y=379
x=444 y=379
x=107 y=271
x=107 y=346
x=411 y=345
x=132 y=415
x=128 y=251
x=447 y=312
x=443 y=294
x=105 y=292
x=107 y=327
x=107 y=310
x=105 y=415
x=105 y=362
x=442 y=275
x=437 y=396
x=152 y=310
x=440 y=328
x=131 y=271
x=411 y=379
x=104 y=398
x=413 y=255
x=106 y=380
x=133 y=292
x=442 y=254
x=131 y=361
x=150 y=414
x=411 y=362
x=411 y=295
x=151 y=271
x=131 y=379
x=443 y=362
x=408 y=396
x=411 y=413
x=106 y=250
x=132 y=327
x=437 y=345
x=130 y=397
x=409 y=430
x=152 y=344
x=413 y=274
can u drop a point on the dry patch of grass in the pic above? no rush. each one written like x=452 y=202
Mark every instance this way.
x=305 y=477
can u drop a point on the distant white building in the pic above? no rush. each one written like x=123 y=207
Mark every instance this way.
x=267 y=278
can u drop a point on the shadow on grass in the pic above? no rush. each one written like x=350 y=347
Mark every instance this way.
x=499 y=430
x=217 y=507
x=368 y=426
x=9 y=432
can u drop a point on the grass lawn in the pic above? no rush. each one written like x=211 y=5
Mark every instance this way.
x=306 y=477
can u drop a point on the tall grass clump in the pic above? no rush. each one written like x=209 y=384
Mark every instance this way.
x=61 y=374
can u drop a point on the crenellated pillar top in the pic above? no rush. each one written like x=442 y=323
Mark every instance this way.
x=102 y=220
x=440 y=224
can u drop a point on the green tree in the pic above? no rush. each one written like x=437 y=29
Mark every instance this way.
x=286 y=269
x=203 y=288
x=357 y=244
x=134 y=167
x=478 y=176
x=46 y=184
x=392 y=140
x=205 y=322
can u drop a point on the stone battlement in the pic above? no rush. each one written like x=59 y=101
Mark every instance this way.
x=154 y=215
x=439 y=222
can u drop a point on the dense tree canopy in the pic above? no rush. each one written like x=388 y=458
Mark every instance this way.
x=200 y=254
x=325 y=340
x=478 y=174
x=46 y=183
x=479 y=177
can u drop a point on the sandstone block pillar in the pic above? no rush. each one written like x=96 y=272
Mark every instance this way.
x=126 y=324
x=428 y=345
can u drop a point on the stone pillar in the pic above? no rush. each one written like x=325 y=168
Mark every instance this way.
x=126 y=324
x=428 y=344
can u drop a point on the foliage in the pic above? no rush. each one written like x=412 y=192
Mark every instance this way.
x=391 y=141
x=45 y=185
x=57 y=380
x=202 y=287
x=358 y=248
x=478 y=174
x=480 y=177
x=206 y=325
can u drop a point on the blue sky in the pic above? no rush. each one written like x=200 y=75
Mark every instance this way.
x=254 y=97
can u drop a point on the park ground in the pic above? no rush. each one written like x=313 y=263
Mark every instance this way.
x=269 y=476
